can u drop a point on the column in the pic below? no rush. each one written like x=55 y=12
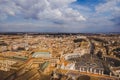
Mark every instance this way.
x=83 y=69
x=80 y=69
x=99 y=72
x=87 y=70
x=105 y=58
x=102 y=72
x=90 y=70
x=110 y=74
x=94 y=71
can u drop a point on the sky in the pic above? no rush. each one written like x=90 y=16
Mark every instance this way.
x=60 y=16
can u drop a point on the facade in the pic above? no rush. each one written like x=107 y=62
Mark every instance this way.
x=5 y=65
x=69 y=66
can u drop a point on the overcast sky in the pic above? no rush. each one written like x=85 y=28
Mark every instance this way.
x=59 y=15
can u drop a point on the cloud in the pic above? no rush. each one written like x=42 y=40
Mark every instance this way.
x=52 y=10
x=109 y=12
x=116 y=21
x=110 y=6
x=7 y=8
x=59 y=16
x=32 y=27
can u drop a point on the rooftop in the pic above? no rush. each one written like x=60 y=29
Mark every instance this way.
x=41 y=54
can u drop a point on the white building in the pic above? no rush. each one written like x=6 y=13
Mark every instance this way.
x=72 y=55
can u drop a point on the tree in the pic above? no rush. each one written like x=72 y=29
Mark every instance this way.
x=84 y=77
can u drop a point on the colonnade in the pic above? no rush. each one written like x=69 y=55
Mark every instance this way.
x=91 y=70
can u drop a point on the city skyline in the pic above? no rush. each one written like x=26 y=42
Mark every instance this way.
x=59 y=16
